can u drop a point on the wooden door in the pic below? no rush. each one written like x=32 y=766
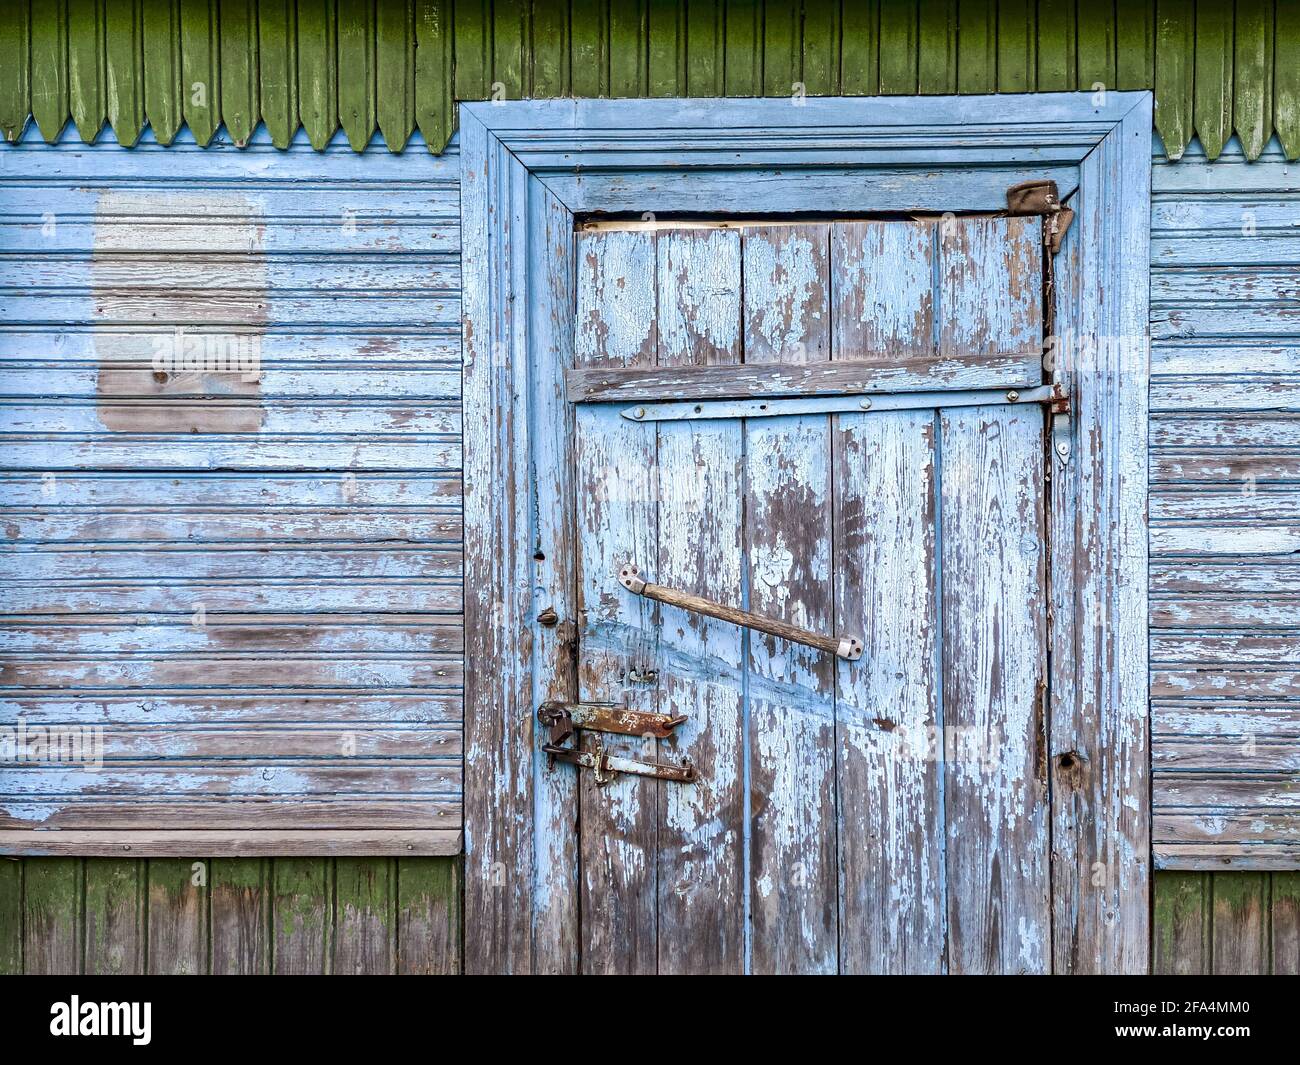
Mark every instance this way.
x=882 y=815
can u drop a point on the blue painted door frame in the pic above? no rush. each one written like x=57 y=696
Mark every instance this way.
x=529 y=170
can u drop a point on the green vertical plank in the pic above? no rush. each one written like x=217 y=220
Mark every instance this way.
x=1284 y=925
x=666 y=52
x=743 y=62
x=124 y=69
x=1057 y=47
x=549 y=55
x=1252 y=96
x=1240 y=927
x=1174 y=71
x=301 y=916
x=629 y=23
x=86 y=67
x=1096 y=47
x=433 y=88
x=162 y=68
x=509 y=39
x=365 y=921
x=114 y=916
x=49 y=85
x=589 y=48
x=936 y=45
x=177 y=916
x=821 y=47
x=704 y=48
x=898 y=47
x=395 y=72
x=1286 y=79
x=473 y=39
x=200 y=68
x=859 y=43
x=356 y=71
x=1180 y=924
x=239 y=94
x=1135 y=56
x=15 y=74
x=977 y=46
x=781 y=60
x=11 y=916
x=52 y=893
x=318 y=70
x=428 y=916
x=1212 y=78
x=1017 y=45
x=241 y=916
x=277 y=68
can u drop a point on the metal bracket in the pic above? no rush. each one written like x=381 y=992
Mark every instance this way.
x=604 y=717
x=1041 y=197
x=607 y=766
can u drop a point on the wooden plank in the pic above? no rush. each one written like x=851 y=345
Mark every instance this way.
x=1253 y=64
x=1097 y=47
x=240 y=890
x=365 y=923
x=701 y=888
x=318 y=81
x=1213 y=75
x=1284 y=923
x=781 y=58
x=860 y=49
x=86 y=67
x=977 y=46
x=240 y=104
x=395 y=92
x=1180 y=925
x=177 y=916
x=743 y=37
x=1175 y=40
x=277 y=69
x=548 y=58
x=628 y=30
x=821 y=47
x=615 y=490
x=11 y=917
x=52 y=916
x=1286 y=84
x=666 y=61
x=356 y=71
x=124 y=71
x=115 y=929
x=1239 y=944
x=788 y=571
x=236 y=842
x=510 y=31
x=428 y=917
x=15 y=77
x=1017 y=46
x=1057 y=46
x=49 y=67
x=898 y=47
x=301 y=916
x=473 y=61
x=162 y=68
x=434 y=98
x=200 y=68
x=1135 y=54
x=589 y=48
x=890 y=817
x=704 y=44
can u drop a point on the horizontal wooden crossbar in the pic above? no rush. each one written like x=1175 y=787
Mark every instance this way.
x=196 y=843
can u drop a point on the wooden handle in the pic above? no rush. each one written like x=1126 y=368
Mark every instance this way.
x=848 y=648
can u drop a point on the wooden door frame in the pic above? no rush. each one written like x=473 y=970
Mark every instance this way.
x=528 y=168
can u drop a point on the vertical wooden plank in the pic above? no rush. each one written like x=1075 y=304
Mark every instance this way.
x=301 y=916
x=1181 y=921
x=52 y=916
x=994 y=627
x=318 y=81
x=11 y=916
x=1212 y=78
x=743 y=66
x=473 y=39
x=780 y=48
x=115 y=933
x=589 y=45
x=890 y=813
x=704 y=42
x=615 y=490
x=1284 y=924
x=937 y=48
x=1174 y=71
x=977 y=46
x=124 y=70
x=510 y=34
x=434 y=108
x=240 y=107
x=1252 y=96
x=821 y=47
x=200 y=68
x=666 y=62
x=702 y=892
x=86 y=73
x=15 y=75
x=241 y=916
x=49 y=69
x=549 y=55
x=899 y=47
x=277 y=65
x=1057 y=46
x=177 y=916
x=628 y=32
x=365 y=921
x=859 y=49
x=1240 y=941
x=428 y=916
x=1286 y=83
x=356 y=71
x=1017 y=45
x=1135 y=56
x=1096 y=47
x=162 y=68
x=793 y=880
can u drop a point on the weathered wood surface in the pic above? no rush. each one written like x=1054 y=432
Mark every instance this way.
x=1225 y=456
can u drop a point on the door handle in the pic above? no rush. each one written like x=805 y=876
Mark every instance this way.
x=847 y=647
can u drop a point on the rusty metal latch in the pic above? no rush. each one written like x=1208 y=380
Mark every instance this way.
x=607 y=766
x=1042 y=197
x=848 y=648
x=563 y=718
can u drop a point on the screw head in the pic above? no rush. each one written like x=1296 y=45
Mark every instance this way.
x=1062 y=448
x=865 y=403
x=639 y=412
x=1012 y=396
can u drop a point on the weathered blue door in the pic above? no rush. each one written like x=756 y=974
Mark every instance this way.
x=830 y=424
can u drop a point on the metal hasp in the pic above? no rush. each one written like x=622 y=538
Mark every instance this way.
x=607 y=766
x=848 y=648
x=563 y=718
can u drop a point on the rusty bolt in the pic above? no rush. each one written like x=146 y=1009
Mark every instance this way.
x=548 y=617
